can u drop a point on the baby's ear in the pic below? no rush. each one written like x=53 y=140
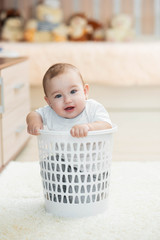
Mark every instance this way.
x=86 y=90
x=47 y=100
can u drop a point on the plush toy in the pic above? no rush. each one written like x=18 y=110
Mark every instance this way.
x=80 y=30
x=32 y=34
x=98 y=32
x=61 y=33
x=120 y=29
x=12 y=29
x=3 y=16
x=30 y=30
x=46 y=26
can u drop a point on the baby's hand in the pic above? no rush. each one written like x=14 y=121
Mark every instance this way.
x=34 y=122
x=79 y=130
x=33 y=128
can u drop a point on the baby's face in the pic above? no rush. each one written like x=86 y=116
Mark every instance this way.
x=66 y=94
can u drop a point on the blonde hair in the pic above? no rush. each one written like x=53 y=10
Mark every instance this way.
x=57 y=69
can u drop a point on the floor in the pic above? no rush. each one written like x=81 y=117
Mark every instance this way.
x=136 y=111
x=29 y=152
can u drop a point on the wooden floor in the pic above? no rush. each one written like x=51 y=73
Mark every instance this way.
x=136 y=111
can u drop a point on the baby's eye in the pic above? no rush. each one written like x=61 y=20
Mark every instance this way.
x=58 y=96
x=73 y=91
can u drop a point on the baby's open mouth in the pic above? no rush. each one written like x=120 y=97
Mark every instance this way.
x=69 y=108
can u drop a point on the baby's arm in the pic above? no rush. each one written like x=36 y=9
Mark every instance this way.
x=82 y=129
x=34 y=122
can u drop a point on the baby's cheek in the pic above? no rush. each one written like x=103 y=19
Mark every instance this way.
x=56 y=106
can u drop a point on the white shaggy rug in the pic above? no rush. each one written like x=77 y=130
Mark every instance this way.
x=133 y=213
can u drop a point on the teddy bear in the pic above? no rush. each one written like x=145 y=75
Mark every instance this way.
x=48 y=25
x=79 y=29
x=98 y=31
x=13 y=24
x=120 y=28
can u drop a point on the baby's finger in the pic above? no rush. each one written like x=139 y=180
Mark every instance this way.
x=29 y=130
x=72 y=132
x=81 y=132
x=36 y=131
x=85 y=132
x=76 y=132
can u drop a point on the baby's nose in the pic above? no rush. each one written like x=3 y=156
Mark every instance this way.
x=67 y=99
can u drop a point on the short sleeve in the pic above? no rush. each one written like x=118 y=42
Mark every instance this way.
x=41 y=112
x=97 y=112
x=101 y=114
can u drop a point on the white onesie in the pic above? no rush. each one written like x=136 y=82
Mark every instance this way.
x=93 y=111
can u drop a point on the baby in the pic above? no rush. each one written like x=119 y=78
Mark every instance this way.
x=68 y=109
x=68 y=105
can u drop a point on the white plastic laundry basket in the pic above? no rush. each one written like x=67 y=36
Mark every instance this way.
x=75 y=172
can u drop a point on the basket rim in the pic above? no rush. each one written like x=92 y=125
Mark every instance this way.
x=90 y=133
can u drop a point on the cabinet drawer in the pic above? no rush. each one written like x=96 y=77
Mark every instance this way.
x=0 y=143
x=14 y=131
x=15 y=83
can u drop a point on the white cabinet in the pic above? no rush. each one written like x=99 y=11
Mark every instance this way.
x=0 y=144
x=16 y=104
